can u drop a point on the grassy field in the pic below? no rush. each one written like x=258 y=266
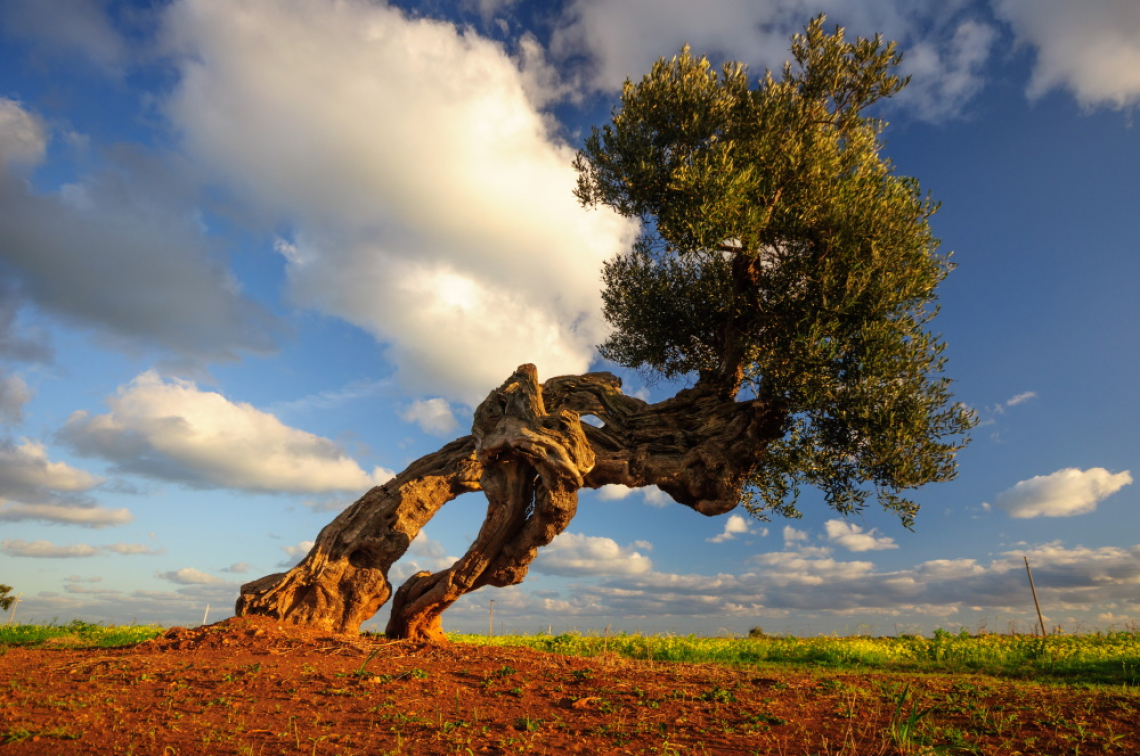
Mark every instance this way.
x=1093 y=658
x=1111 y=658
x=77 y=634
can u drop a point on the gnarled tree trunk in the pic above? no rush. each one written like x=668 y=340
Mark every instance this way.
x=530 y=454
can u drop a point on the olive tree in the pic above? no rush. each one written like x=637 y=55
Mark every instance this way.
x=785 y=274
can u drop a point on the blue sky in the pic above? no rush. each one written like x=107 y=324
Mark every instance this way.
x=256 y=256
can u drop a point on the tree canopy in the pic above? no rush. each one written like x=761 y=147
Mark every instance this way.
x=782 y=257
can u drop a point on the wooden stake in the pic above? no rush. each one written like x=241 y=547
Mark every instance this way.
x=1036 y=603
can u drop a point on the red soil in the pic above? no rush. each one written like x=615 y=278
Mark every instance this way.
x=251 y=686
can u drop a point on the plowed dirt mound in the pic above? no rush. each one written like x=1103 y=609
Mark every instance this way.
x=251 y=686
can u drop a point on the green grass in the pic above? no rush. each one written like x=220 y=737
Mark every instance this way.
x=1111 y=658
x=77 y=634
x=1093 y=658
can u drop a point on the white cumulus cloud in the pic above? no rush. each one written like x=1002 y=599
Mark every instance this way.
x=46 y=549
x=295 y=553
x=25 y=467
x=434 y=416
x=793 y=536
x=578 y=554
x=1090 y=49
x=23 y=137
x=429 y=200
x=853 y=538
x=1064 y=493
x=174 y=431
x=734 y=526
x=189 y=576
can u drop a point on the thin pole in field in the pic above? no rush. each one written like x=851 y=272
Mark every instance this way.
x=206 y=614
x=1036 y=603
x=15 y=603
x=491 y=621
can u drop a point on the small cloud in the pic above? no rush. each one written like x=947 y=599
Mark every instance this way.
x=328 y=504
x=14 y=394
x=1064 y=493
x=68 y=514
x=572 y=554
x=25 y=469
x=23 y=137
x=72 y=588
x=853 y=538
x=793 y=536
x=423 y=554
x=736 y=525
x=295 y=553
x=422 y=546
x=652 y=495
x=189 y=576
x=434 y=416
x=1025 y=396
x=132 y=549
x=238 y=568
x=46 y=549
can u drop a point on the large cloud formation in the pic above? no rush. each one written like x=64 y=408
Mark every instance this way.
x=1064 y=493
x=430 y=202
x=119 y=252
x=809 y=583
x=1091 y=49
x=174 y=431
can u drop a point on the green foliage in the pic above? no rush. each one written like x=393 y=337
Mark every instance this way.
x=6 y=600
x=781 y=253
x=1094 y=658
x=79 y=634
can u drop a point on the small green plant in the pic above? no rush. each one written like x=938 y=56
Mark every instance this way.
x=717 y=694
x=362 y=672
x=526 y=723
x=904 y=724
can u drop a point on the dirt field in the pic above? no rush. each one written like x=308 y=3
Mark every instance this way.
x=249 y=686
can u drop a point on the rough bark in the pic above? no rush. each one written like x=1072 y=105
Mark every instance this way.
x=530 y=454
x=344 y=579
x=533 y=465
